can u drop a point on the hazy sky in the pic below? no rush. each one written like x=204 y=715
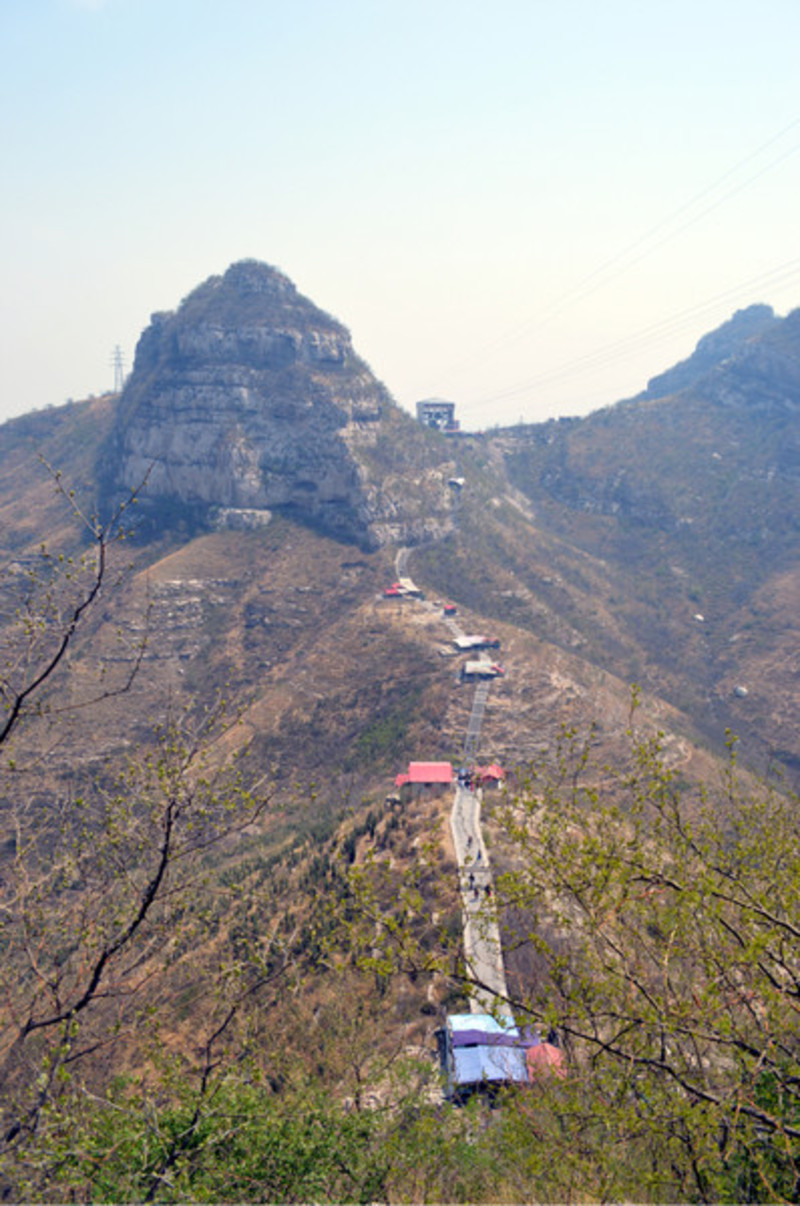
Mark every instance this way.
x=526 y=206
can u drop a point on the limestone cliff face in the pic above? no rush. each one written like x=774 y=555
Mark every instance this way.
x=249 y=397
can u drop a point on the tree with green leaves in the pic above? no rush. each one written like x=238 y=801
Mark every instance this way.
x=150 y=1046
x=105 y=880
x=659 y=930
x=652 y=925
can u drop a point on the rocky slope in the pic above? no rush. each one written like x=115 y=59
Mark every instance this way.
x=688 y=503
x=250 y=398
x=713 y=349
x=656 y=541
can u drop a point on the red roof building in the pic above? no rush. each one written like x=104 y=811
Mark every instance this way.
x=425 y=774
x=486 y=774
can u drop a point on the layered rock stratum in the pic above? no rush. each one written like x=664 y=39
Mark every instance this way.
x=249 y=398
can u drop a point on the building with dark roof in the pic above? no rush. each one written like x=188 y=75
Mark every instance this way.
x=439 y=415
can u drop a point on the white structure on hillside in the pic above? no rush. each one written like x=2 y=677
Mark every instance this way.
x=439 y=415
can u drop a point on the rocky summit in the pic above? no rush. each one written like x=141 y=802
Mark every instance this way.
x=728 y=342
x=250 y=398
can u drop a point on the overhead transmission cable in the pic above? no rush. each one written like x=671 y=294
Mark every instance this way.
x=647 y=335
x=624 y=259
x=580 y=290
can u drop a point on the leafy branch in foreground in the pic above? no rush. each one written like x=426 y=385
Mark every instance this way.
x=654 y=926
x=42 y=608
x=663 y=928
x=99 y=899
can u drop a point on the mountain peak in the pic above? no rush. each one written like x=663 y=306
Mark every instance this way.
x=712 y=349
x=249 y=397
x=256 y=292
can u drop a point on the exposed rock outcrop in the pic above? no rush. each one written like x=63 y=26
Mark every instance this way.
x=762 y=375
x=250 y=398
x=713 y=350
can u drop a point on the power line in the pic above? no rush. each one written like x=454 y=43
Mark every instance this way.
x=622 y=348
x=625 y=259
x=579 y=291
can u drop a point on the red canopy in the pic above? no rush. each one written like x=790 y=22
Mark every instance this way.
x=545 y=1060
x=490 y=772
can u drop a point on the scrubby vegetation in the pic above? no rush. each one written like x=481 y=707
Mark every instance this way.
x=226 y=949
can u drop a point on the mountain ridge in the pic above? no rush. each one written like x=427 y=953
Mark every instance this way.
x=605 y=536
x=210 y=881
x=711 y=350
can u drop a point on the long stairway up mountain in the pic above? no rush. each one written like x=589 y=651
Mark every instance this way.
x=482 y=943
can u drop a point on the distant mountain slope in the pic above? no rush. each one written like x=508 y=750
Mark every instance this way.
x=692 y=503
x=68 y=438
x=656 y=541
x=712 y=350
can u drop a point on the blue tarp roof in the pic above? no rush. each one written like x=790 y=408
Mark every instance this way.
x=474 y=1065
x=485 y=1049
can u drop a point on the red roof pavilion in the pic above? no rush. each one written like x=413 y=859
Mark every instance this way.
x=426 y=773
x=490 y=772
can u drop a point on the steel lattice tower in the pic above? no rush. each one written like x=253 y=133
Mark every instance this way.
x=118 y=361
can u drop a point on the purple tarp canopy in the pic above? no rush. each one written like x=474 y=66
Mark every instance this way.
x=482 y=1038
